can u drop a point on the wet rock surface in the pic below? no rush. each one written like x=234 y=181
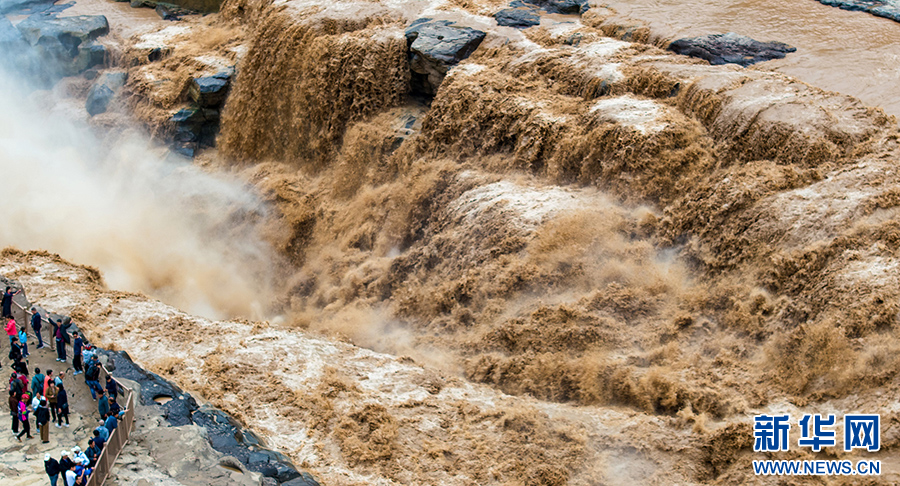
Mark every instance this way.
x=879 y=8
x=198 y=125
x=103 y=91
x=222 y=431
x=557 y=6
x=65 y=46
x=434 y=47
x=730 y=48
x=519 y=18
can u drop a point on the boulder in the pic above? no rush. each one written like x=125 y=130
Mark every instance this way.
x=305 y=479
x=103 y=90
x=730 y=48
x=434 y=47
x=65 y=45
x=98 y=99
x=519 y=18
x=879 y=8
x=556 y=6
x=210 y=91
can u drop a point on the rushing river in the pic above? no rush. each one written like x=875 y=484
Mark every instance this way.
x=850 y=52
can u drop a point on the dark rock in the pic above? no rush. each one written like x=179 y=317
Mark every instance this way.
x=435 y=47
x=103 y=90
x=517 y=17
x=558 y=6
x=167 y=11
x=305 y=479
x=65 y=45
x=879 y=8
x=730 y=48
x=209 y=91
x=98 y=99
x=155 y=55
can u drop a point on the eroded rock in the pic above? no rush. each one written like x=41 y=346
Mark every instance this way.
x=879 y=8
x=519 y=18
x=434 y=47
x=66 y=45
x=730 y=48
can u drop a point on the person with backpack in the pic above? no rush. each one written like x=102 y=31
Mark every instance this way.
x=62 y=405
x=77 y=344
x=92 y=376
x=42 y=420
x=37 y=382
x=15 y=351
x=51 y=467
x=36 y=325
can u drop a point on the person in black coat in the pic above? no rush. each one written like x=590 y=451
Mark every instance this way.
x=65 y=463
x=51 y=467
x=42 y=420
x=62 y=406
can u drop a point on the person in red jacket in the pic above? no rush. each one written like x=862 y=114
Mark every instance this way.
x=11 y=329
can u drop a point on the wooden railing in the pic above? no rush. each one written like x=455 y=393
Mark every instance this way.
x=119 y=437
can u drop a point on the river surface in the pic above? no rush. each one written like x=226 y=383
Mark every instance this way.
x=850 y=52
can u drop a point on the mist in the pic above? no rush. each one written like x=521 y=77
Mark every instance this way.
x=150 y=223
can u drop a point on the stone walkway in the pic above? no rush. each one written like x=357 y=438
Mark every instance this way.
x=22 y=463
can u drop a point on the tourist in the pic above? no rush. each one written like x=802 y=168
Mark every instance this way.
x=88 y=353
x=111 y=423
x=114 y=407
x=65 y=463
x=101 y=430
x=62 y=405
x=23 y=418
x=78 y=456
x=11 y=329
x=50 y=392
x=60 y=345
x=37 y=382
x=21 y=367
x=23 y=341
x=51 y=467
x=7 y=301
x=15 y=351
x=92 y=376
x=102 y=403
x=71 y=476
x=42 y=420
x=112 y=388
x=99 y=441
x=36 y=325
x=14 y=411
x=58 y=381
x=54 y=327
x=93 y=452
x=77 y=344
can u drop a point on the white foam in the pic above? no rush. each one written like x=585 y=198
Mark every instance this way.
x=642 y=115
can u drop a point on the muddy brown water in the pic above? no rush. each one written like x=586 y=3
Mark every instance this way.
x=850 y=52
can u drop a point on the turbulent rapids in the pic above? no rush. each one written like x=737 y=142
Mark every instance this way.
x=566 y=256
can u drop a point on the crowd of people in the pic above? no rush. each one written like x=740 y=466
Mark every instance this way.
x=44 y=398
